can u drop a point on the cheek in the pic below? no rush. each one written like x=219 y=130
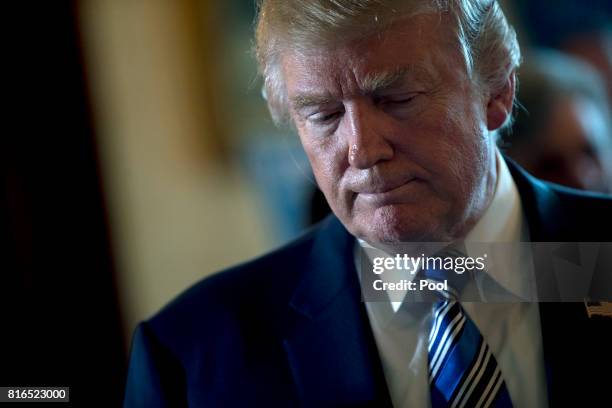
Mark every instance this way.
x=328 y=161
x=458 y=155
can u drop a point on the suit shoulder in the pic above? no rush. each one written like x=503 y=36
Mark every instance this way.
x=584 y=202
x=588 y=212
x=559 y=213
x=236 y=294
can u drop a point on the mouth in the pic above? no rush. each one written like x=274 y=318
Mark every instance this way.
x=387 y=195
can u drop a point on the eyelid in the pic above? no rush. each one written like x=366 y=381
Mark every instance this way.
x=398 y=98
x=320 y=117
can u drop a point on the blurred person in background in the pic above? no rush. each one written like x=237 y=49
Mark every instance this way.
x=595 y=48
x=563 y=129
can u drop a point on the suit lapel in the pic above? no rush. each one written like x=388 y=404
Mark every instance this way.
x=330 y=347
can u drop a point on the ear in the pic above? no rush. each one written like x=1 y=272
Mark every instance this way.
x=499 y=106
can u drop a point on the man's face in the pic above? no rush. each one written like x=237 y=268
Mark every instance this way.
x=396 y=132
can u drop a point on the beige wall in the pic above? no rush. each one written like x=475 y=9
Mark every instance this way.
x=177 y=213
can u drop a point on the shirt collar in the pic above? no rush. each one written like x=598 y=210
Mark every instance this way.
x=503 y=219
x=504 y=225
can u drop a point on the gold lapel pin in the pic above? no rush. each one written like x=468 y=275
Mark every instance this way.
x=602 y=309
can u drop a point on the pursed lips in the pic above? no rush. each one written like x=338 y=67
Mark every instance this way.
x=388 y=193
x=380 y=188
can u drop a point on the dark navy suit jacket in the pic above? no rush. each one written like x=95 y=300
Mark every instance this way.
x=289 y=329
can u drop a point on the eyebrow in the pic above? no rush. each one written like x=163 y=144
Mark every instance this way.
x=382 y=81
x=370 y=84
x=302 y=101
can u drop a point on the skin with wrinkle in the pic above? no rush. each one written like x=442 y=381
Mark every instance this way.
x=397 y=132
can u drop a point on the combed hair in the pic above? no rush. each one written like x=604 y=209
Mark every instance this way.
x=487 y=41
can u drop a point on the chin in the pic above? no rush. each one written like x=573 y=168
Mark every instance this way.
x=395 y=224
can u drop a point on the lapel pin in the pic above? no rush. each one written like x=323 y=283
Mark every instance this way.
x=601 y=309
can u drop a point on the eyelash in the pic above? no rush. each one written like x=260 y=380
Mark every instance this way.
x=399 y=101
x=325 y=118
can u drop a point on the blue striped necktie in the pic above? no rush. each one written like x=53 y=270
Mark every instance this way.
x=462 y=370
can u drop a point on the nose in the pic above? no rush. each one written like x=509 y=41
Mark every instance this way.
x=367 y=135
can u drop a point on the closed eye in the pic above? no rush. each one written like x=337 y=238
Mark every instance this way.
x=323 y=118
x=399 y=100
x=400 y=106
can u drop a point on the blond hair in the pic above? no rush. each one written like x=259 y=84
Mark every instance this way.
x=487 y=41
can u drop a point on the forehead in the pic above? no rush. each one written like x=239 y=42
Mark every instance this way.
x=418 y=49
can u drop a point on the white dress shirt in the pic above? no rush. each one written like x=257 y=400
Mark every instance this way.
x=512 y=330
